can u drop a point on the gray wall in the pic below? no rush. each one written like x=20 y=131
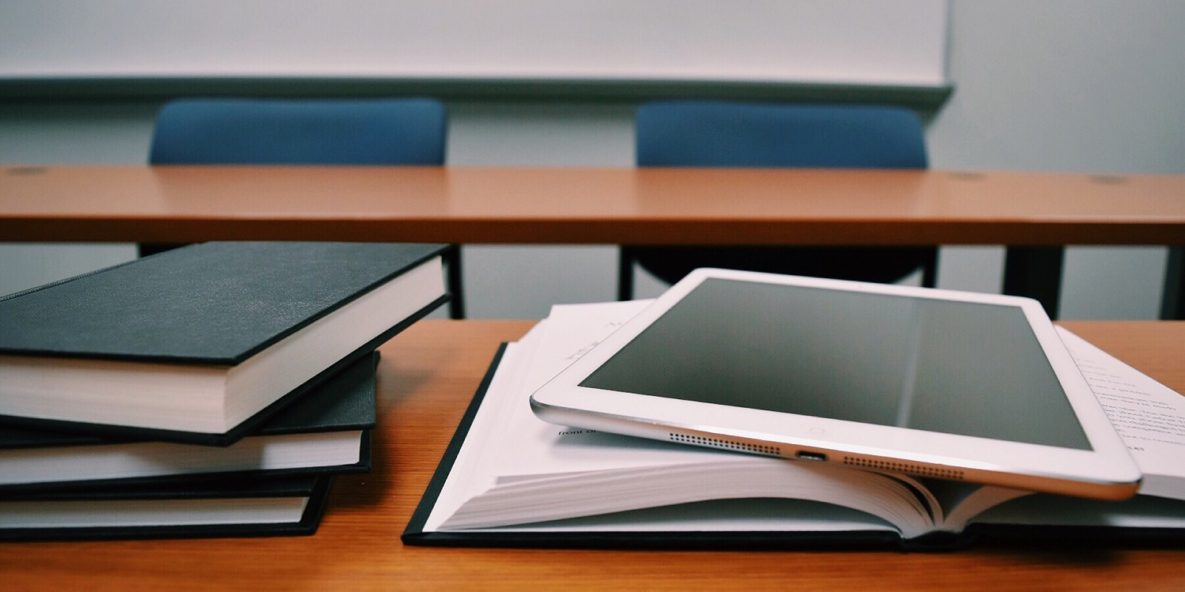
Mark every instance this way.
x=1067 y=85
x=1071 y=85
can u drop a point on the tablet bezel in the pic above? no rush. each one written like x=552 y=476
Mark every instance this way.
x=1106 y=471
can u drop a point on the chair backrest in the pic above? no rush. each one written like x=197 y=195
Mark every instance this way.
x=300 y=132
x=729 y=134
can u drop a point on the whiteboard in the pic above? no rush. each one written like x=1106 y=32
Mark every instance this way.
x=899 y=42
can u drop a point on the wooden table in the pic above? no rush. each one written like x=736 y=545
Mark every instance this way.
x=426 y=378
x=1035 y=214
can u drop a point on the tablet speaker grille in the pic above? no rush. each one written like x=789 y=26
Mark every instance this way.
x=726 y=444
x=903 y=467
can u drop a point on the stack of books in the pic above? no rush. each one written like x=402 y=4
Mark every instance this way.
x=212 y=390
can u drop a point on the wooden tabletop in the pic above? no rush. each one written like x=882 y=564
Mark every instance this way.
x=426 y=378
x=585 y=205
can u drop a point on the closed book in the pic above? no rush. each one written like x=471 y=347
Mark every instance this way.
x=290 y=505
x=326 y=431
x=201 y=343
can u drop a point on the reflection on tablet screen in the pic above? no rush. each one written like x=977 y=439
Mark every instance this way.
x=954 y=367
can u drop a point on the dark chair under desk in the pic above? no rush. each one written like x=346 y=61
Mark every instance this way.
x=355 y=132
x=727 y=134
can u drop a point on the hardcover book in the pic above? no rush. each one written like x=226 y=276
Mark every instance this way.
x=327 y=430
x=509 y=478
x=290 y=505
x=201 y=343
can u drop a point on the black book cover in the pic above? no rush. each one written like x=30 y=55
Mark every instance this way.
x=313 y=487
x=345 y=401
x=1006 y=535
x=210 y=303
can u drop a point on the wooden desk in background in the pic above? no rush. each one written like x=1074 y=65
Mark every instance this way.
x=426 y=378
x=1034 y=214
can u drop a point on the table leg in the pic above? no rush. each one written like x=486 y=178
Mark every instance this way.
x=1172 y=304
x=1035 y=272
x=456 y=284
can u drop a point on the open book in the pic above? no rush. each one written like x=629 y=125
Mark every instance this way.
x=510 y=478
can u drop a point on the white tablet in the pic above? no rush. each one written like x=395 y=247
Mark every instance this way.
x=934 y=383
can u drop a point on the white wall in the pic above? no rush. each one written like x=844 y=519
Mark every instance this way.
x=899 y=42
x=1070 y=85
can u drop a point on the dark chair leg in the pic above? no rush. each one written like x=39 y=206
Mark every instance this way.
x=1035 y=272
x=1172 y=303
x=146 y=249
x=456 y=304
x=930 y=272
x=625 y=274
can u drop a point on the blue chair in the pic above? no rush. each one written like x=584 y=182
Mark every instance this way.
x=727 y=134
x=306 y=132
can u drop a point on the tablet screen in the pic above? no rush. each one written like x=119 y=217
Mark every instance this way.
x=964 y=368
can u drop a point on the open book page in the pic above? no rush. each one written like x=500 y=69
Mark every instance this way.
x=484 y=433
x=530 y=501
x=547 y=449
x=965 y=501
x=1149 y=416
x=516 y=469
x=525 y=470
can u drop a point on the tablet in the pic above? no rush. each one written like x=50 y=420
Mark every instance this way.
x=933 y=383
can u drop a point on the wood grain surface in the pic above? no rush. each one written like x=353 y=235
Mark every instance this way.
x=426 y=377
x=587 y=205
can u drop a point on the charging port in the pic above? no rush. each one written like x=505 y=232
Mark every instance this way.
x=819 y=456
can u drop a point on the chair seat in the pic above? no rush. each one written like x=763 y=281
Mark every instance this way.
x=259 y=131
x=866 y=264
x=734 y=134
